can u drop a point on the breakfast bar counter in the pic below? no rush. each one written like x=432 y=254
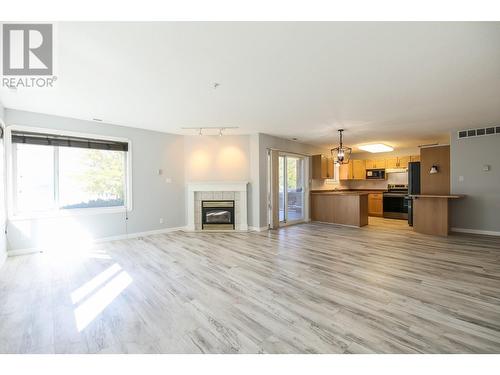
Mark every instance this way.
x=431 y=213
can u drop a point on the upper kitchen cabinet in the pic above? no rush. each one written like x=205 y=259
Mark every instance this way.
x=358 y=169
x=322 y=167
x=403 y=161
x=375 y=164
x=354 y=170
x=397 y=162
x=392 y=163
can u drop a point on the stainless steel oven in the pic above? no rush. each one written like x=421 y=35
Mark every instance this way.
x=395 y=202
x=375 y=174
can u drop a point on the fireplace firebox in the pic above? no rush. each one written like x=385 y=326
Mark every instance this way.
x=217 y=215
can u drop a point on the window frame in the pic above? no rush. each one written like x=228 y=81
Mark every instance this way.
x=11 y=176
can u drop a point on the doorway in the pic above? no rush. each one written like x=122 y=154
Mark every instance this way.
x=292 y=186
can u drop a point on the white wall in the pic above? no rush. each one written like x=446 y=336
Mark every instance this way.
x=214 y=158
x=3 y=240
x=480 y=209
x=153 y=198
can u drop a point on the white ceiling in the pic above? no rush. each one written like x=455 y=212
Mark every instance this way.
x=403 y=84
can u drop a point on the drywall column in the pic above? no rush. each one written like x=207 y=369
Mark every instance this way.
x=475 y=173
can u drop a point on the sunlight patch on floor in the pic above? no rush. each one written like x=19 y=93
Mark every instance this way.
x=89 y=309
x=93 y=284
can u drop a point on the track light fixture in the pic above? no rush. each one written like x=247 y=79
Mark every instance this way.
x=220 y=130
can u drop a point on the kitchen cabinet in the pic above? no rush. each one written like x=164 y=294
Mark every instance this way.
x=322 y=167
x=375 y=204
x=375 y=164
x=345 y=171
x=358 y=170
x=403 y=161
x=392 y=163
x=354 y=170
x=370 y=164
x=397 y=162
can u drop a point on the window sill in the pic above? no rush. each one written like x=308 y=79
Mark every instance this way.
x=69 y=212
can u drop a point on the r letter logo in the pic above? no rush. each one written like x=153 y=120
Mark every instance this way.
x=27 y=50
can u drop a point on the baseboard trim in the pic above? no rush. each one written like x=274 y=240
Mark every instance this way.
x=14 y=253
x=138 y=234
x=32 y=250
x=258 y=229
x=476 y=231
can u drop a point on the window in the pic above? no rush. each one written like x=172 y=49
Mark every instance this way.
x=91 y=178
x=51 y=178
x=34 y=178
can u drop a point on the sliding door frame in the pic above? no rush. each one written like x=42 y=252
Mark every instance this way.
x=306 y=187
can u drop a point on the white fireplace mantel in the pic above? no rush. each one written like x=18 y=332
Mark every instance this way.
x=238 y=187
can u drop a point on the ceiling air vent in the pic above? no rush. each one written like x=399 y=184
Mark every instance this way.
x=478 y=132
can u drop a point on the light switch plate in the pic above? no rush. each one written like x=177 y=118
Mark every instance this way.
x=168 y=180
x=486 y=168
x=460 y=178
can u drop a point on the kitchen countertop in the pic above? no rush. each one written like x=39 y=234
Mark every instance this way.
x=340 y=192
x=436 y=196
x=349 y=191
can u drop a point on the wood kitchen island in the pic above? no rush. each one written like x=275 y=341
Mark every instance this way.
x=340 y=207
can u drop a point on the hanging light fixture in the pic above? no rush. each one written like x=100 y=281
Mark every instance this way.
x=341 y=154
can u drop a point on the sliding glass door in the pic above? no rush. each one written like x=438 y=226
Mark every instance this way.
x=291 y=188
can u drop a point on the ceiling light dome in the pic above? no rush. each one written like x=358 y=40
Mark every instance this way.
x=376 y=147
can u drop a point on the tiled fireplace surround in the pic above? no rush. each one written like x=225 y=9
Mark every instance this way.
x=200 y=191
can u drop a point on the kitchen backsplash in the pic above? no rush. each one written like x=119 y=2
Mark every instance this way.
x=392 y=178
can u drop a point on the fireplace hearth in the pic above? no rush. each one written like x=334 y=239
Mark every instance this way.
x=217 y=215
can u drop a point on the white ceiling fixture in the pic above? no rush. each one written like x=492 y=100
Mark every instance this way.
x=376 y=147
x=403 y=83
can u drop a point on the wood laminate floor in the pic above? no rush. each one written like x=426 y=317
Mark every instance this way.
x=311 y=288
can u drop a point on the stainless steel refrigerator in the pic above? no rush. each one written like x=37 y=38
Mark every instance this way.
x=413 y=187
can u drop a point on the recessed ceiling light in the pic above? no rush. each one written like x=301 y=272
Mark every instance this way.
x=376 y=147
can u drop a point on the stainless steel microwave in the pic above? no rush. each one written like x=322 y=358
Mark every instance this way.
x=375 y=174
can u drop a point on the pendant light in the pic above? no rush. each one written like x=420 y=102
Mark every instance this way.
x=341 y=154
